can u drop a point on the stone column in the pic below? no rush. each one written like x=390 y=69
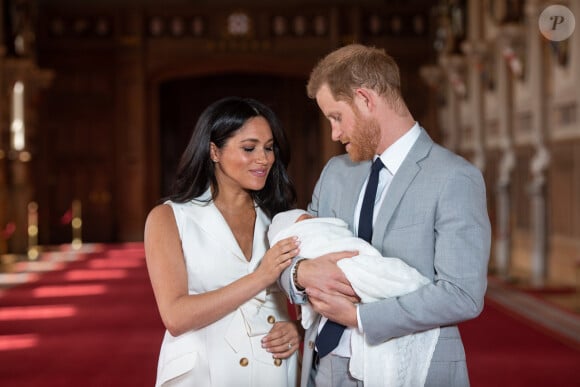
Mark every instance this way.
x=474 y=50
x=454 y=66
x=537 y=191
x=541 y=159
x=503 y=245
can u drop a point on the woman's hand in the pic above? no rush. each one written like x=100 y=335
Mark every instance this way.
x=278 y=258
x=283 y=339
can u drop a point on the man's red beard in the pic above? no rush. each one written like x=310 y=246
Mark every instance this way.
x=364 y=140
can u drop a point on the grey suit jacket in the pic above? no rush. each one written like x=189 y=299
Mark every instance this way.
x=434 y=217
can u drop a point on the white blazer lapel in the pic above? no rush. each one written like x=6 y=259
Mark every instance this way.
x=260 y=244
x=210 y=219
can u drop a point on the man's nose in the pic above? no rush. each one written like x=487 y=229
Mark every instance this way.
x=335 y=133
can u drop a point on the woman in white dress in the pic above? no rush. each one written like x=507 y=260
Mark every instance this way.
x=212 y=273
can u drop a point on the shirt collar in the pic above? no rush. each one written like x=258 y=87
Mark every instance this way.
x=394 y=155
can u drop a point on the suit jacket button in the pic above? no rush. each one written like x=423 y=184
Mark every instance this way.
x=311 y=344
x=271 y=319
x=277 y=362
x=244 y=362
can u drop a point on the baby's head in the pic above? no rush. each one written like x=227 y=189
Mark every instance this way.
x=284 y=220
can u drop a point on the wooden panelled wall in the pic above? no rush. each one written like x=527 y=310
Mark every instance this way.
x=127 y=74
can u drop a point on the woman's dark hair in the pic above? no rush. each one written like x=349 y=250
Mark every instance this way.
x=217 y=123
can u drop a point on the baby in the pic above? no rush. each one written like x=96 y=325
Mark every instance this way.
x=402 y=361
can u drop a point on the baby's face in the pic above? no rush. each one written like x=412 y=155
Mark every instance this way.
x=304 y=217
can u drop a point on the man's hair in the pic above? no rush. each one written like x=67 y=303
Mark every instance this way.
x=354 y=66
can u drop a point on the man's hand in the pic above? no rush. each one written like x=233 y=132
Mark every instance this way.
x=323 y=274
x=336 y=307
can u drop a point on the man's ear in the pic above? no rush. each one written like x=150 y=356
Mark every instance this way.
x=365 y=99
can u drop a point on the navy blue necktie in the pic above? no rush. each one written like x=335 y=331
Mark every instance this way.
x=365 y=222
x=329 y=336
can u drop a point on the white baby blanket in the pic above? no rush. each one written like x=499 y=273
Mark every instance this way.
x=402 y=361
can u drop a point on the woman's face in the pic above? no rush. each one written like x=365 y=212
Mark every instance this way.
x=246 y=158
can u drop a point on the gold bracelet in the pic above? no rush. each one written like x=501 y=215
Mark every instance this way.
x=295 y=275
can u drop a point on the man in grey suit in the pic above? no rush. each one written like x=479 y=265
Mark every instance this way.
x=429 y=209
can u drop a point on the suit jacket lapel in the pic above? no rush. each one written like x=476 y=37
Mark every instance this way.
x=352 y=191
x=400 y=183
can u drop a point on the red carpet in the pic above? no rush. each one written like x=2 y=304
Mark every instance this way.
x=93 y=322
x=504 y=349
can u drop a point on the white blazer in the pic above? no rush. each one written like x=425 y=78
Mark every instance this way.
x=228 y=351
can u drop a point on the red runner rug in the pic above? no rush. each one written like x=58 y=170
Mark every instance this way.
x=94 y=322
x=504 y=349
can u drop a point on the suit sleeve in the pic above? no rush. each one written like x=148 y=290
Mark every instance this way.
x=286 y=283
x=462 y=236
